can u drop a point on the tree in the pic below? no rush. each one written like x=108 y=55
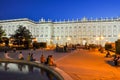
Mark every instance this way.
x=117 y=46
x=2 y=33
x=5 y=40
x=22 y=36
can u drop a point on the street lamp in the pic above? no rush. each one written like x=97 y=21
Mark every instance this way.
x=119 y=36
x=11 y=41
x=97 y=39
x=51 y=41
x=101 y=38
x=35 y=40
x=57 y=38
x=68 y=39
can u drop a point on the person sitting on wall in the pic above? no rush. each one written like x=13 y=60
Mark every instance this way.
x=42 y=59
x=51 y=61
x=20 y=56
x=28 y=57
x=6 y=55
x=31 y=57
x=47 y=59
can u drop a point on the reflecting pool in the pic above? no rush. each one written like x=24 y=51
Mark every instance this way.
x=15 y=71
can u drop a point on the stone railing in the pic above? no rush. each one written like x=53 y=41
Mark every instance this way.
x=48 y=68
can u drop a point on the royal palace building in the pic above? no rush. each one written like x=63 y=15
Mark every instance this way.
x=80 y=31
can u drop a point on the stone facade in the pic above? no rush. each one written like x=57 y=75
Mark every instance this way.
x=98 y=31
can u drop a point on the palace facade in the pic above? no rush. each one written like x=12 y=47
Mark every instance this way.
x=98 y=31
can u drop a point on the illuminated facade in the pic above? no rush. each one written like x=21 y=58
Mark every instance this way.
x=98 y=31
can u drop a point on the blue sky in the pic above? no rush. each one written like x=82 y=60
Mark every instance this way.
x=58 y=9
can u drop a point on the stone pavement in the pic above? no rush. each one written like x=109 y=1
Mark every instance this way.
x=89 y=65
x=79 y=64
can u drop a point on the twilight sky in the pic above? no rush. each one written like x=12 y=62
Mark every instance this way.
x=58 y=9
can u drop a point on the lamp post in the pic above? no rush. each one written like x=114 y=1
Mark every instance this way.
x=57 y=38
x=118 y=36
x=97 y=39
x=101 y=38
x=68 y=39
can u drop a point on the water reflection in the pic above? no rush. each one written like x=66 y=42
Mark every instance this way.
x=30 y=68
x=21 y=67
x=42 y=71
x=13 y=71
x=49 y=76
x=6 y=67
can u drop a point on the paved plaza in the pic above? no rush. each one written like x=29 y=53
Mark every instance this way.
x=79 y=64
x=89 y=65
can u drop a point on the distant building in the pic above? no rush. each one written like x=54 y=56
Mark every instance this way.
x=98 y=31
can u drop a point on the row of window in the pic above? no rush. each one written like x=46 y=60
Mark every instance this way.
x=71 y=36
x=87 y=32
x=43 y=28
x=106 y=36
x=86 y=36
x=43 y=35
x=114 y=26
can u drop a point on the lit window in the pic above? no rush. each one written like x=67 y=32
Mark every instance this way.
x=41 y=35
x=114 y=26
x=114 y=35
x=109 y=36
x=104 y=35
x=46 y=35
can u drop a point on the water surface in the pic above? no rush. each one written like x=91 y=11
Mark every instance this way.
x=14 y=71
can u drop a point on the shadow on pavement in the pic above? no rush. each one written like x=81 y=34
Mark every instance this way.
x=110 y=62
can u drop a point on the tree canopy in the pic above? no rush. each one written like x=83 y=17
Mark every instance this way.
x=22 y=33
x=2 y=32
x=22 y=36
